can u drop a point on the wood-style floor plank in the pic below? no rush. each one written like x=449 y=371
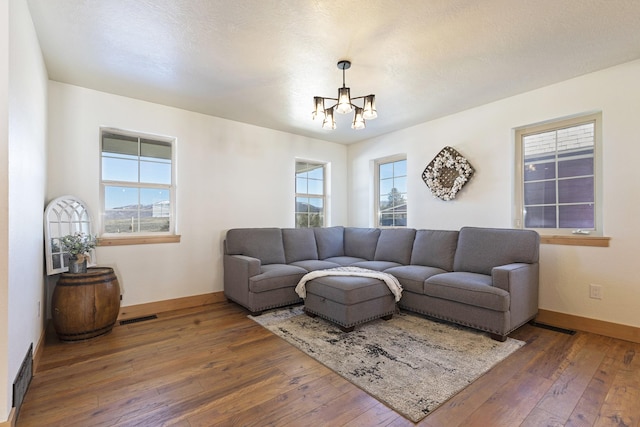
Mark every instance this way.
x=212 y=365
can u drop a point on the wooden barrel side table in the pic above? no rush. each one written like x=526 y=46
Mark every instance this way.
x=85 y=305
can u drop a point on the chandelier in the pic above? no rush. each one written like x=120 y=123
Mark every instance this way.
x=344 y=105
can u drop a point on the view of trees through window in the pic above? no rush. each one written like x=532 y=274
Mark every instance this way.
x=559 y=179
x=310 y=194
x=136 y=184
x=392 y=190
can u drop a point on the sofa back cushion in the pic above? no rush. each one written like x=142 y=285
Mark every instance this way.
x=330 y=241
x=434 y=248
x=394 y=244
x=299 y=244
x=262 y=243
x=361 y=242
x=481 y=249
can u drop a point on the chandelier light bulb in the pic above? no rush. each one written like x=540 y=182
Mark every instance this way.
x=370 y=112
x=329 y=122
x=344 y=101
x=318 y=108
x=358 y=120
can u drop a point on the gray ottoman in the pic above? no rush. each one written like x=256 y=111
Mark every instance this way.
x=349 y=300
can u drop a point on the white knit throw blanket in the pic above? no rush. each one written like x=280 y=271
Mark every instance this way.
x=392 y=282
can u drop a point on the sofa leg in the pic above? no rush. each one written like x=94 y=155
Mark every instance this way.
x=387 y=317
x=350 y=329
x=501 y=338
x=256 y=313
x=310 y=314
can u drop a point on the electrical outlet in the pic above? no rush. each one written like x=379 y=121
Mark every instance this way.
x=595 y=291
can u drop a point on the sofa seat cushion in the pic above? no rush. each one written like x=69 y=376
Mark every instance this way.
x=344 y=261
x=376 y=265
x=276 y=276
x=468 y=288
x=315 y=264
x=412 y=277
x=348 y=290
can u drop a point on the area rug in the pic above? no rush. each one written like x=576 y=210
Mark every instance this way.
x=410 y=363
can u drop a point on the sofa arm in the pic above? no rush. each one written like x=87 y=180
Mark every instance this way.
x=237 y=271
x=521 y=281
x=507 y=276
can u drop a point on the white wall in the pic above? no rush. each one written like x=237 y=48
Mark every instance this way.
x=5 y=402
x=229 y=174
x=23 y=188
x=484 y=135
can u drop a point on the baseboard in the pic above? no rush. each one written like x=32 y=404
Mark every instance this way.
x=11 y=421
x=37 y=354
x=569 y=321
x=141 y=310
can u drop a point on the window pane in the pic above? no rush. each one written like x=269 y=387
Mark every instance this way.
x=539 y=171
x=577 y=167
x=540 y=193
x=385 y=186
x=575 y=190
x=315 y=187
x=400 y=184
x=155 y=173
x=119 y=170
x=386 y=170
x=301 y=185
x=120 y=144
x=540 y=217
x=577 y=216
x=400 y=168
x=315 y=204
x=120 y=197
x=155 y=149
x=316 y=173
x=302 y=204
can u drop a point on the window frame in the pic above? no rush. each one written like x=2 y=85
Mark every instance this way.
x=554 y=125
x=376 y=203
x=143 y=237
x=325 y=168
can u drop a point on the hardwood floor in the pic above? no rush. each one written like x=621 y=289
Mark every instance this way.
x=214 y=366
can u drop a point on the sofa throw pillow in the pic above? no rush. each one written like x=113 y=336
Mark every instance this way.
x=481 y=249
x=299 y=244
x=394 y=244
x=434 y=248
x=361 y=242
x=262 y=243
x=330 y=241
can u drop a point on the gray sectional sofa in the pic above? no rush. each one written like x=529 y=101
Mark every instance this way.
x=485 y=278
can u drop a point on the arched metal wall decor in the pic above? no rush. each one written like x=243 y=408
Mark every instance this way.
x=447 y=173
x=64 y=215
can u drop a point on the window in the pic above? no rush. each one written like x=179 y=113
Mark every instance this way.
x=391 y=179
x=137 y=187
x=558 y=181
x=310 y=194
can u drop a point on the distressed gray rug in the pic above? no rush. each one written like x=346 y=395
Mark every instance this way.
x=410 y=363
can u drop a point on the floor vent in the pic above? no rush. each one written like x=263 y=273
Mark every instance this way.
x=138 y=319
x=23 y=379
x=554 y=328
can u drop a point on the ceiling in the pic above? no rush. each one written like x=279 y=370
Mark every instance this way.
x=262 y=61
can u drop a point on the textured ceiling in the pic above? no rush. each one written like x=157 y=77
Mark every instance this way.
x=262 y=61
